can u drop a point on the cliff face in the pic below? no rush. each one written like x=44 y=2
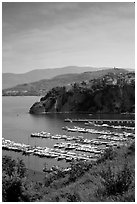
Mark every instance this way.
x=101 y=99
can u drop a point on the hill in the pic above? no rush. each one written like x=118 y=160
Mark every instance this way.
x=43 y=86
x=9 y=79
x=110 y=93
x=109 y=179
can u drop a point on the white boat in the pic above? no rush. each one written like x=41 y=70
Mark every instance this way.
x=70 y=147
x=52 y=155
x=61 y=146
x=69 y=138
x=29 y=151
x=105 y=125
x=64 y=136
x=61 y=157
x=55 y=137
x=68 y=159
x=71 y=153
x=56 y=145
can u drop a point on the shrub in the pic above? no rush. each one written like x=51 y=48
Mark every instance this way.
x=78 y=169
x=73 y=197
x=109 y=154
x=14 y=185
x=131 y=149
x=115 y=182
x=8 y=165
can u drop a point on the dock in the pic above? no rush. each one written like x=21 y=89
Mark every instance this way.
x=102 y=121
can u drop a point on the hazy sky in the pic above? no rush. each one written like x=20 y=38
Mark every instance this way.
x=47 y=35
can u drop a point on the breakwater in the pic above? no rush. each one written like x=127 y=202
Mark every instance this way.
x=102 y=121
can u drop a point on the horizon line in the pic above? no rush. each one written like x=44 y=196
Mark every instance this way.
x=84 y=66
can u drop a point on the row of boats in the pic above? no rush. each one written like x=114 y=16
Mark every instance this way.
x=46 y=152
x=104 y=135
x=70 y=150
x=93 y=131
x=105 y=140
x=44 y=134
x=97 y=145
x=115 y=136
x=111 y=126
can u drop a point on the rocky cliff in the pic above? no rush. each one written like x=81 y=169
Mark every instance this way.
x=95 y=97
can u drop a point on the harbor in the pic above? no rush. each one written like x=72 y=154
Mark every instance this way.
x=54 y=141
x=74 y=148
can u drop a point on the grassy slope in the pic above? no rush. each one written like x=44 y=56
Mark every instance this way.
x=117 y=171
x=111 y=178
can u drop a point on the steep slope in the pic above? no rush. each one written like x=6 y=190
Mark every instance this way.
x=109 y=94
x=110 y=179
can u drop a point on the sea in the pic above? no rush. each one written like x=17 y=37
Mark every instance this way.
x=18 y=124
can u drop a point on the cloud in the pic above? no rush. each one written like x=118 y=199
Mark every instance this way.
x=48 y=34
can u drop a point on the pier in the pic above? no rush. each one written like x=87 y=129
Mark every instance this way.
x=102 y=121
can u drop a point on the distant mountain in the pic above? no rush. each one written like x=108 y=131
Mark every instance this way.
x=43 y=86
x=9 y=79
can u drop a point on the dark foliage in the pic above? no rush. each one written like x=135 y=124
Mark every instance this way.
x=73 y=197
x=109 y=154
x=12 y=180
x=78 y=169
x=131 y=149
x=15 y=187
x=96 y=97
x=114 y=181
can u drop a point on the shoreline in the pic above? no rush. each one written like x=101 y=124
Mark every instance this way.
x=80 y=112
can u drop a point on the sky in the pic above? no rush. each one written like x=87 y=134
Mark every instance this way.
x=40 y=35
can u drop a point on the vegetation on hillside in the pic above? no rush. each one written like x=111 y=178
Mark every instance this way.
x=110 y=179
x=15 y=185
x=11 y=79
x=43 y=86
x=112 y=93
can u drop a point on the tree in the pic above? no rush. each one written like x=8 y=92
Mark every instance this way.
x=13 y=185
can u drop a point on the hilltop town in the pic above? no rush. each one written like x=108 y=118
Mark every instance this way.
x=111 y=79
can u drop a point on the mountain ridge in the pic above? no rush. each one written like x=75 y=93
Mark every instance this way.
x=42 y=86
x=10 y=80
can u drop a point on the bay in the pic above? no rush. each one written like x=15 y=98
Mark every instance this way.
x=18 y=124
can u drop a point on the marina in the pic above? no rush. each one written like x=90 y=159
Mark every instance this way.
x=49 y=139
x=70 y=148
x=43 y=152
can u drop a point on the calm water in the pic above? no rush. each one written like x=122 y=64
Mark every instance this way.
x=18 y=124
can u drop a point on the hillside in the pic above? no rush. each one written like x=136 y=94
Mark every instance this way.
x=10 y=80
x=110 y=93
x=43 y=86
x=110 y=179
